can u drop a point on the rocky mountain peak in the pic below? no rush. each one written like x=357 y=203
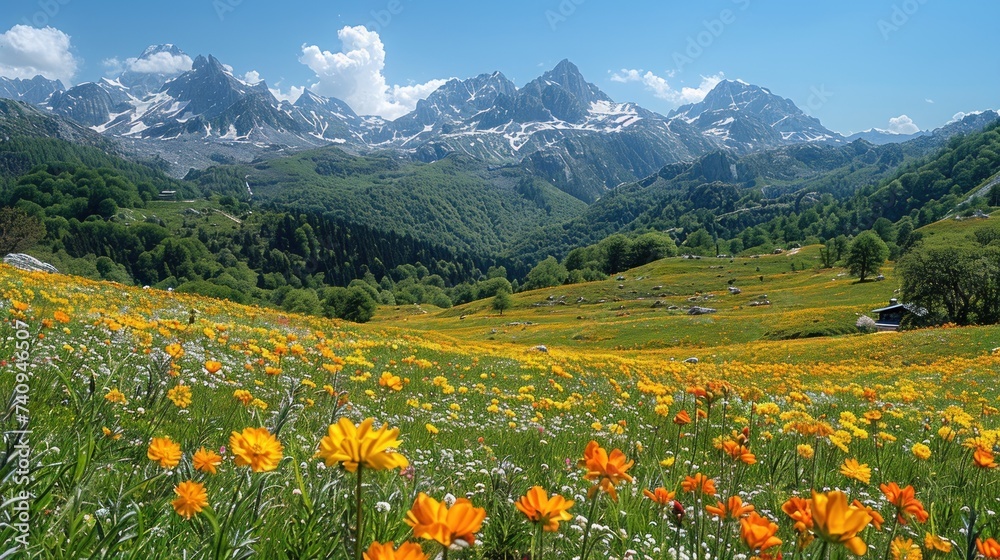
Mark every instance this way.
x=37 y=90
x=568 y=76
x=745 y=117
x=142 y=82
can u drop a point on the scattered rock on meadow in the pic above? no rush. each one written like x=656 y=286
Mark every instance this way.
x=28 y=263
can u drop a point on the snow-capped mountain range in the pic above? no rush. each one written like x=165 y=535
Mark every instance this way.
x=559 y=125
x=745 y=117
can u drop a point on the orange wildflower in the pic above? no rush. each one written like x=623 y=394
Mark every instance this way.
x=206 y=461
x=607 y=470
x=734 y=508
x=435 y=521
x=877 y=519
x=114 y=435
x=164 y=451
x=838 y=523
x=191 y=499
x=800 y=510
x=989 y=548
x=758 y=533
x=390 y=381
x=905 y=501
x=256 y=448
x=682 y=418
x=243 y=396
x=540 y=508
x=175 y=350
x=660 y=496
x=213 y=366
x=388 y=551
x=860 y=472
x=361 y=445
x=738 y=452
x=699 y=483
x=935 y=543
x=180 y=396
x=984 y=459
x=905 y=549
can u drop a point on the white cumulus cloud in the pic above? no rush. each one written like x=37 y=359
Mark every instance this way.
x=355 y=75
x=962 y=114
x=252 y=77
x=903 y=125
x=661 y=88
x=292 y=95
x=26 y=52
x=160 y=63
x=112 y=66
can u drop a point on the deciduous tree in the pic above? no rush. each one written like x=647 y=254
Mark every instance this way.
x=867 y=255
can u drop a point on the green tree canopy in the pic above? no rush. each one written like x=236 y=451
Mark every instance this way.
x=546 y=274
x=867 y=255
x=502 y=301
x=18 y=230
x=955 y=284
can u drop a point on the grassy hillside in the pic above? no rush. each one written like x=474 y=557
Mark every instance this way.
x=726 y=194
x=793 y=196
x=957 y=230
x=456 y=202
x=32 y=138
x=634 y=314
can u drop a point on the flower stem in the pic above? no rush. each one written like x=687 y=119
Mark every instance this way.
x=358 y=519
x=590 y=521
x=892 y=535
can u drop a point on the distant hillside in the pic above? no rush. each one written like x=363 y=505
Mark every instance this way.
x=724 y=194
x=31 y=138
x=933 y=187
x=457 y=202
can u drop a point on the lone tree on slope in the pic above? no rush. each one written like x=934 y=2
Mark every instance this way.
x=501 y=301
x=867 y=255
x=18 y=230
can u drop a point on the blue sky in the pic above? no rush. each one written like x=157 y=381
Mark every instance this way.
x=854 y=64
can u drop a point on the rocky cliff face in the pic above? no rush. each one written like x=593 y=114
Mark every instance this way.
x=37 y=90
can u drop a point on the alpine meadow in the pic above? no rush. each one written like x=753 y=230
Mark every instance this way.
x=521 y=281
